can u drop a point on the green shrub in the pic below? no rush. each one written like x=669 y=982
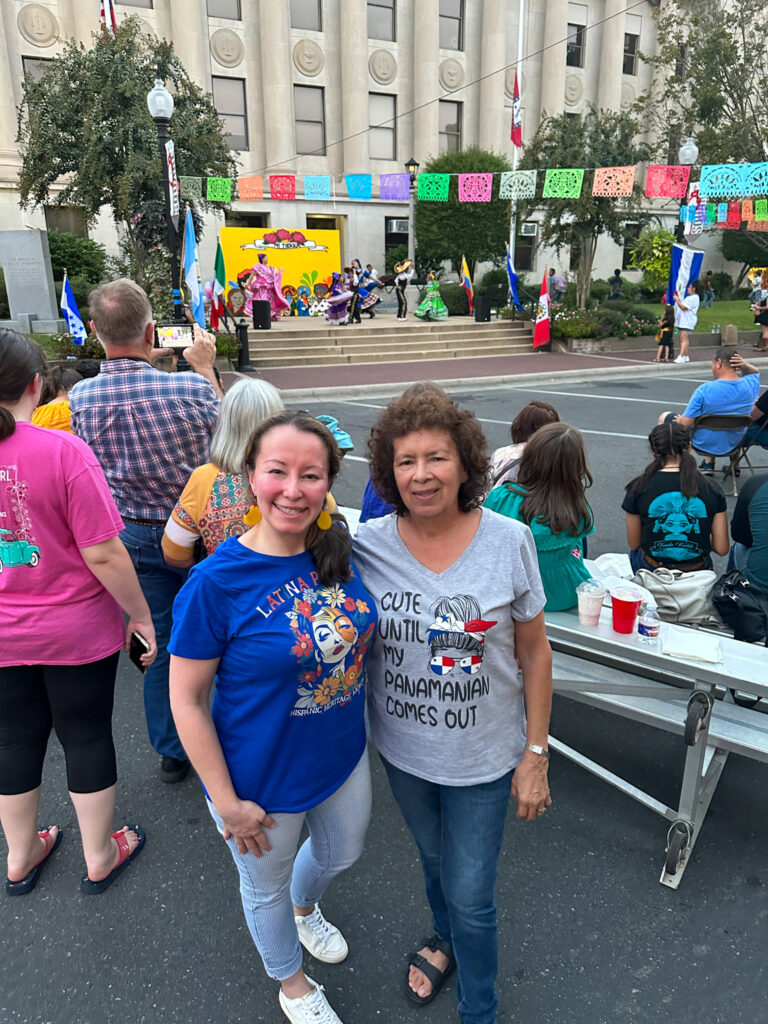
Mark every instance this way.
x=227 y=345
x=396 y=254
x=722 y=285
x=64 y=346
x=599 y=290
x=493 y=278
x=82 y=257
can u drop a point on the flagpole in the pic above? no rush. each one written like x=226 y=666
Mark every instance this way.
x=513 y=221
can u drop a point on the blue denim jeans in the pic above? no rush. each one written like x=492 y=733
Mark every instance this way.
x=459 y=831
x=270 y=885
x=160 y=583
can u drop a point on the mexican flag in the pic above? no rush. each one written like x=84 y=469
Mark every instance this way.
x=220 y=279
x=541 y=327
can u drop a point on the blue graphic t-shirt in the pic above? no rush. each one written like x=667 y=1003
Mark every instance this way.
x=675 y=529
x=288 y=704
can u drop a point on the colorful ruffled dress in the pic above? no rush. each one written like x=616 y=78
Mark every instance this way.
x=433 y=307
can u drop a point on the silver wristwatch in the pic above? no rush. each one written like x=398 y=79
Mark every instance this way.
x=536 y=749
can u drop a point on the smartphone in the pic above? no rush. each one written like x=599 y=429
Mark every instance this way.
x=138 y=647
x=175 y=336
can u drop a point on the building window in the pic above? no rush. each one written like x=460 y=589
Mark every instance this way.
x=306 y=14
x=35 y=67
x=135 y=3
x=229 y=100
x=681 y=63
x=224 y=9
x=309 y=113
x=66 y=218
x=241 y=219
x=450 y=126
x=630 y=53
x=524 y=249
x=382 y=110
x=631 y=234
x=381 y=19
x=574 y=55
x=452 y=24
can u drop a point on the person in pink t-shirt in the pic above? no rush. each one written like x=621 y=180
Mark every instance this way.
x=64 y=578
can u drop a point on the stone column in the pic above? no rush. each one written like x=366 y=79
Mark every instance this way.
x=9 y=151
x=353 y=31
x=553 y=62
x=426 y=84
x=189 y=27
x=494 y=129
x=84 y=19
x=275 y=43
x=612 y=56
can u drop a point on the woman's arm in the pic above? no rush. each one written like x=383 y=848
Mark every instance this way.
x=111 y=564
x=634 y=530
x=190 y=683
x=530 y=787
x=719 y=537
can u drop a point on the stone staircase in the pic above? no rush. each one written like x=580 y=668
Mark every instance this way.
x=385 y=339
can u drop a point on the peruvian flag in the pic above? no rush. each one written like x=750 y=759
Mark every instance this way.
x=220 y=279
x=517 y=116
x=541 y=327
x=108 y=18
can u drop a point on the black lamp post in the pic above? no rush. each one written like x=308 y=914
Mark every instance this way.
x=160 y=104
x=412 y=168
x=688 y=154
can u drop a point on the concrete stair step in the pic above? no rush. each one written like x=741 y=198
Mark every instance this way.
x=318 y=358
x=339 y=334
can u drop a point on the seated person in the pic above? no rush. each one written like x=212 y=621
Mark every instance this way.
x=727 y=394
x=675 y=515
x=505 y=461
x=749 y=529
x=758 y=432
x=53 y=411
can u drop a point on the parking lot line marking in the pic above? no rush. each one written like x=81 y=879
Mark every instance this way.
x=602 y=433
x=575 y=394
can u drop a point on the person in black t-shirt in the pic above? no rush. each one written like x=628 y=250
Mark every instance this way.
x=758 y=432
x=749 y=529
x=675 y=515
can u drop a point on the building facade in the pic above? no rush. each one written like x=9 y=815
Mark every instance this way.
x=335 y=86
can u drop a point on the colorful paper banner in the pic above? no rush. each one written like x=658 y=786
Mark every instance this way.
x=218 y=190
x=748 y=210
x=317 y=186
x=667 y=181
x=615 y=182
x=475 y=188
x=359 y=186
x=282 y=186
x=250 y=189
x=433 y=187
x=563 y=183
x=518 y=185
x=190 y=188
x=711 y=213
x=395 y=186
x=722 y=213
x=722 y=180
x=761 y=210
x=701 y=213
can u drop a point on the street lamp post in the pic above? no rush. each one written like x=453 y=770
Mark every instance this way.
x=687 y=155
x=412 y=168
x=160 y=104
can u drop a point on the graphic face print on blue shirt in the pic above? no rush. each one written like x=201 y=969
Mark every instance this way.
x=677 y=525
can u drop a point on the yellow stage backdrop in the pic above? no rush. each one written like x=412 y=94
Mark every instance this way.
x=308 y=258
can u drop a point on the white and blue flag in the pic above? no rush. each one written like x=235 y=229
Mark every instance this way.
x=512 y=275
x=75 y=324
x=686 y=267
x=192 y=272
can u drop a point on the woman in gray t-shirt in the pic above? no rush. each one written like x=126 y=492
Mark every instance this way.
x=460 y=602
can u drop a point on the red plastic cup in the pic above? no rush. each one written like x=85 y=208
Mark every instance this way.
x=625 y=604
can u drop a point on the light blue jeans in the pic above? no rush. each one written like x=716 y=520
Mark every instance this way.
x=271 y=884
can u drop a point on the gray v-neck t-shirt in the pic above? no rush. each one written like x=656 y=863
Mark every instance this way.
x=445 y=701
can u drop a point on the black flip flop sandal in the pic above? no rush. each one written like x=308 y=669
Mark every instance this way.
x=434 y=974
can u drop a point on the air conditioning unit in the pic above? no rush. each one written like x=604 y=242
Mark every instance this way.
x=398 y=227
x=529 y=227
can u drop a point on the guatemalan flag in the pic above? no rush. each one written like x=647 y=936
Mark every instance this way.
x=192 y=271
x=72 y=313
x=517 y=116
x=686 y=267
x=512 y=275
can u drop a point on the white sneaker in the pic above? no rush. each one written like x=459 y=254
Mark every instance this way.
x=324 y=941
x=686 y=359
x=313 y=1008
x=681 y=359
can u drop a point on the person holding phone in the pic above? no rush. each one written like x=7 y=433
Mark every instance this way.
x=65 y=581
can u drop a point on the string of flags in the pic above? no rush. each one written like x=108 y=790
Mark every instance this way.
x=739 y=188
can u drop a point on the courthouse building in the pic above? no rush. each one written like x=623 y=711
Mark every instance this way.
x=349 y=86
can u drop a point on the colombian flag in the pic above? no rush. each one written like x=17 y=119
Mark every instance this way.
x=466 y=282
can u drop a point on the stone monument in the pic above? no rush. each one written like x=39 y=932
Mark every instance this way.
x=26 y=263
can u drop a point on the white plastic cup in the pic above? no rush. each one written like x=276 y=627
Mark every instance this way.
x=590 y=595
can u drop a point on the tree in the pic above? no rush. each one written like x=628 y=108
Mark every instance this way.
x=749 y=248
x=87 y=138
x=478 y=230
x=652 y=253
x=80 y=257
x=593 y=139
x=711 y=80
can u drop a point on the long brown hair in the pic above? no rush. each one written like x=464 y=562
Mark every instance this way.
x=20 y=360
x=554 y=475
x=330 y=549
x=671 y=439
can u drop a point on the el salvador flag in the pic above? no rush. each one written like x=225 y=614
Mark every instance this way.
x=72 y=313
x=192 y=271
x=686 y=267
x=512 y=275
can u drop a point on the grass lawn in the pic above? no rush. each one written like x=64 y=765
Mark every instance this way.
x=735 y=312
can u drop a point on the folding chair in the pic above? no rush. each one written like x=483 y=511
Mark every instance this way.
x=760 y=438
x=730 y=422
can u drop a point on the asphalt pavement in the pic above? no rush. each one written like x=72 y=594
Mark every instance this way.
x=587 y=933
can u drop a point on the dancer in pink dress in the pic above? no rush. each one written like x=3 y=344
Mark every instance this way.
x=264 y=283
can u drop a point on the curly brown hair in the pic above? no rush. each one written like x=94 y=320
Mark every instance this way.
x=429 y=410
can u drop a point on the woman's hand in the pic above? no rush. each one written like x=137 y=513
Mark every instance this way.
x=530 y=787
x=147 y=630
x=246 y=821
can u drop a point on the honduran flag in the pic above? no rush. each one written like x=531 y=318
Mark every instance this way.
x=512 y=277
x=108 y=19
x=541 y=334
x=466 y=283
x=71 y=313
x=685 y=268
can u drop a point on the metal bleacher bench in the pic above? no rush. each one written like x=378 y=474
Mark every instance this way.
x=694 y=700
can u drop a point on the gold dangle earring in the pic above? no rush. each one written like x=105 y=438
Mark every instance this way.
x=324 y=521
x=253 y=516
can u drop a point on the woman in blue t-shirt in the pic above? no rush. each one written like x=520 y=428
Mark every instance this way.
x=279 y=620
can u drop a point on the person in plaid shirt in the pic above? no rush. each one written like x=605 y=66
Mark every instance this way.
x=149 y=430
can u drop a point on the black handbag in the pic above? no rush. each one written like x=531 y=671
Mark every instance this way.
x=742 y=607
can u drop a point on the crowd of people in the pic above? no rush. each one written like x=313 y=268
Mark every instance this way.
x=208 y=521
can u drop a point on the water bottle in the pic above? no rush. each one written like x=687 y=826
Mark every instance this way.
x=648 y=626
